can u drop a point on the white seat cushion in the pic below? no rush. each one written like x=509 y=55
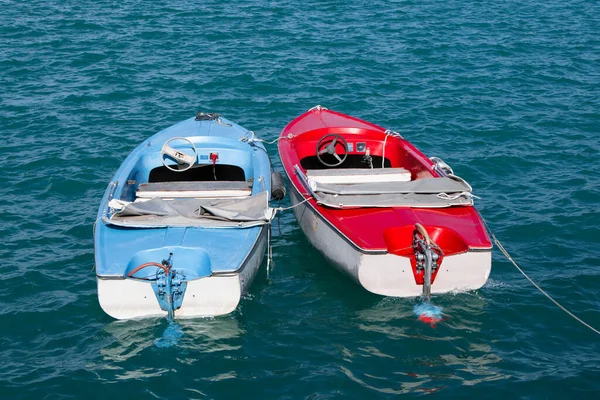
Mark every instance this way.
x=208 y=189
x=357 y=175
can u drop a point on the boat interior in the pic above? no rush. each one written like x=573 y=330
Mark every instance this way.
x=229 y=174
x=198 y=173
x=366 y=173
x=197 y=182
x=350 y=148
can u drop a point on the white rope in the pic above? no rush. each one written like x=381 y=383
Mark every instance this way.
x=220 y=121
x=446 y=196
x=503 y=250
x=270 y=262
x=267 y=142
x=294 y=206
x=253 y=138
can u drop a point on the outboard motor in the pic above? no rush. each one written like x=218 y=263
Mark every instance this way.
x=277 y=186
x=427 y=255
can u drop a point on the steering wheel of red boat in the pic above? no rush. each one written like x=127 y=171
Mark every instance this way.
x=179 y=156
x=327 y=145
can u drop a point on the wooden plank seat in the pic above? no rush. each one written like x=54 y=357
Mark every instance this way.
x=204 y=189
x=340 y=176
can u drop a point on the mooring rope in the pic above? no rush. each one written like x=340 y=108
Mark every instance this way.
x=252 y=138
x=503 y=250
x=294 y=206
x=270 y=262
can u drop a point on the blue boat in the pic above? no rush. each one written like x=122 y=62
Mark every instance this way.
x=184 y=223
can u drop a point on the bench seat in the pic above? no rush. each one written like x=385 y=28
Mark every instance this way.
x=357 y=175
x=205 y=189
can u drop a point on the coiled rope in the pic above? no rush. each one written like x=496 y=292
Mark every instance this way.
x=507 y=255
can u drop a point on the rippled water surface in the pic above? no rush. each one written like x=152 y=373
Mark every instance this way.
x=507 y=92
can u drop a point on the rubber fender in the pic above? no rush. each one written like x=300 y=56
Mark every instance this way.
x=277 y=186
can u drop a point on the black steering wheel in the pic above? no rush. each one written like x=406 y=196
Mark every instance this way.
x=328 y=144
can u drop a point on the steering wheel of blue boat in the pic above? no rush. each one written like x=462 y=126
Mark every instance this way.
x=327 y=145
x=180 y=157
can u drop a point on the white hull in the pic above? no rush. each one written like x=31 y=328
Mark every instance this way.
x=211 y=296
x=388 y=274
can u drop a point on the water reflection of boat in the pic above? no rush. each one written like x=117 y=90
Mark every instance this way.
x=413 y=357
x=204 y=335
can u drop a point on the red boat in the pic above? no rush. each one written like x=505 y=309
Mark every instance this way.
x=397 y=222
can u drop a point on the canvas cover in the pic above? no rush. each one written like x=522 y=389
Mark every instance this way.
x=212 y=213
x=422 y=193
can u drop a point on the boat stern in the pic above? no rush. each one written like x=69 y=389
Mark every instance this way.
x=454 y=265
x=210 y=296
x=173 y=278
x=392 y=275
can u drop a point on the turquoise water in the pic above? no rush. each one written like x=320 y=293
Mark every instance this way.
x=508 y=93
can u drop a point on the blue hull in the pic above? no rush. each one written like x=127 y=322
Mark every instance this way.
x=128 y=259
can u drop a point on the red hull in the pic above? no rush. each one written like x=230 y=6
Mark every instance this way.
x=456 y=229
